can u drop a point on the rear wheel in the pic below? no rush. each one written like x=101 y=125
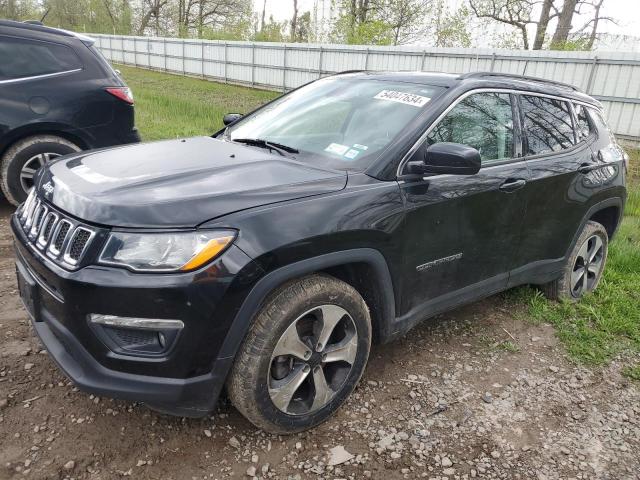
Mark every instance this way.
x=23 y=159
x=583 y=269
x=303 y=356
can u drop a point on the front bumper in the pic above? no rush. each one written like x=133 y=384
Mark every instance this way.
x=188 y=379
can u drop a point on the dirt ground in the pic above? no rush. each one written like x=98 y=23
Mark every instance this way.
x=476 y=393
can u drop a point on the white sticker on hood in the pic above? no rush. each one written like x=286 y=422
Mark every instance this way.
x=336 y=148
x=403 y=97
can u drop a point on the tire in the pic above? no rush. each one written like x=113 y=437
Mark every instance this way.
x=588 y=255
x=259 y=379
x=28 y=154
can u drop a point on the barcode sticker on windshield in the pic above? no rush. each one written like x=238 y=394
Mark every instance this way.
x=403 y=97
x=336 y=148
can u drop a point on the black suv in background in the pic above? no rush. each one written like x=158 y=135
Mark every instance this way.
x=268 y=257
x=58 y=95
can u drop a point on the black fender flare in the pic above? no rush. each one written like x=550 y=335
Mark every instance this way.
x=609 y=202
x=252 y=303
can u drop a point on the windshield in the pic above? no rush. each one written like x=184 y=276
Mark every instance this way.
x=341 y=123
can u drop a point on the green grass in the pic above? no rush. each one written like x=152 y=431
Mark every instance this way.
x=601 y=327
x=605 y=324
x=508 y=346
x=634 y=164
x=170 y=106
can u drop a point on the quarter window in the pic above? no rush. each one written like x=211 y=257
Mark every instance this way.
x=547 y=124
x=483 y=121
x=582 y=117
x=26 y=58
x=600 y=124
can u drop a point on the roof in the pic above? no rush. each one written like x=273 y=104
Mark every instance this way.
x=37 y=28
x=473 y=80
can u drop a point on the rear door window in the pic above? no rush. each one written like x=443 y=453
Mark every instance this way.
x=23 y=58
x=547 y=124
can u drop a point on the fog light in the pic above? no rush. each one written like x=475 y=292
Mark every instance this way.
x=147 y=337
x=133 y=322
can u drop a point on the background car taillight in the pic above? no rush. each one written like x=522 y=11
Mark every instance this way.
x=123 y=93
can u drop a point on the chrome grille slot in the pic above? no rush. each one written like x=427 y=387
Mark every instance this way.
x=77 y=245
x=30 y=214
x=48 y=224
x=63 y=239
x=38 y=217
x=26 y=206
x=59 y=237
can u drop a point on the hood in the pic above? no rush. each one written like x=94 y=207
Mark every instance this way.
x=177 y=183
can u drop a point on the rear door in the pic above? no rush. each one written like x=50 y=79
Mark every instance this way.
x=33 y=77
x=462 y=231
x=556 y=199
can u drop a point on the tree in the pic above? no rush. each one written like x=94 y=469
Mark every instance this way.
x=565 y=17
x=380 y=22
x=294 y=21
x=543 y=24
x=304 y=30
x=516 y=13
x=449 y=29
x=150 y=9
x=406 y=19
x=272 y=31
x=520 y=15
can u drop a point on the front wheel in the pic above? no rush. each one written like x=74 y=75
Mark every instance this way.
x=303 y=356
x=584 y=266
x=23 y=159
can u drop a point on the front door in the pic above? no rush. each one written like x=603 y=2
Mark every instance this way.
x=462 y=232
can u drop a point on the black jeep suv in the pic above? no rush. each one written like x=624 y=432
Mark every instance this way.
x=267 y=258
x=58 y=95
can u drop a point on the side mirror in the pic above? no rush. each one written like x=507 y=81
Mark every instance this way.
x=230 y=118
x=451 y=158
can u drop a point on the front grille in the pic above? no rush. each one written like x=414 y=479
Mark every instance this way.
x=61 y=238
x=78 y=243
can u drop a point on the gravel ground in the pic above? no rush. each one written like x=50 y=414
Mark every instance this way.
x=476 y=393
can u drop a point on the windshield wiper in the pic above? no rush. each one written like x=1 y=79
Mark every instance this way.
x=259 y=142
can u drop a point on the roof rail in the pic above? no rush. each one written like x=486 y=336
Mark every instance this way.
x=30 y=25
x=518 y=77
x=347 y=72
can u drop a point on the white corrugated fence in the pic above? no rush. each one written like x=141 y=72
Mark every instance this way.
x=611 y=77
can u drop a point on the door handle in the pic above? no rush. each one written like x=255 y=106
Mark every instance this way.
x=589 y=167
x=512 y=185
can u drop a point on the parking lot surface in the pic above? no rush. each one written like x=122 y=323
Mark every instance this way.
x=477 y=393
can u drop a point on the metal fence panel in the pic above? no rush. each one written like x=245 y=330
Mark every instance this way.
x=611 y=77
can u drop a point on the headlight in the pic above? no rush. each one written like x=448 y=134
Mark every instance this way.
x=165 y=252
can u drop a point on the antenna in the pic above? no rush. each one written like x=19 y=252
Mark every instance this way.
x=45 y=15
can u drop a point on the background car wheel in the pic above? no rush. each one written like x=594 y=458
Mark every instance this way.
x=21 y=161
x=583 y=269
x=303 y=356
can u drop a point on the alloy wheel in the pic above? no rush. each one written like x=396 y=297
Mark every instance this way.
x=588 y=266
x=31 y=166
x=312 y=360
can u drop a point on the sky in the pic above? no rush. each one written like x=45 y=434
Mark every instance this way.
x=626 y=11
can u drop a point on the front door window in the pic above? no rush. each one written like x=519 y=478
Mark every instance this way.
x=483 y=121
